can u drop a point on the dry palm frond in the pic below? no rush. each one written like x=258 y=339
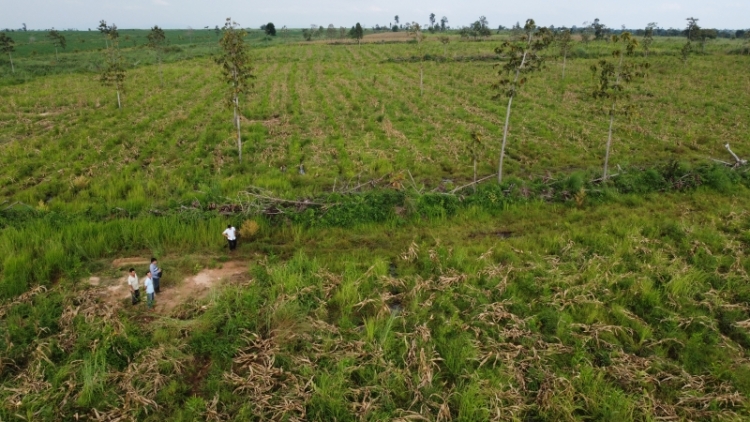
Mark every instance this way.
x=411 y=254
x=274 y=393
x=23 y=298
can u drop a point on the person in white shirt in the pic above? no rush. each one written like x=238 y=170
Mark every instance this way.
x=231 y=234
x=149 y=283
x=135 y=294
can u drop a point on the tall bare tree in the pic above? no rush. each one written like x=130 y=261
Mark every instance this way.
x=113 y=73
x=611 y=78
x=8 y=46
x=415 y=31
x=58 y=40
x=236 y=70
x=157 y=40
x=523 y=58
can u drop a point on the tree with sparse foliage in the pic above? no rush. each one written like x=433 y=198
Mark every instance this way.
x=565 y=43
x=8 y=46
x=108 y=31
x=611 y=78
x=704 y=35
x=157 y=40
x=523 y=58
x=331 y=31
x=692 y=33
x=648 y=38
x=113 y=73
x=270 y=29
x=599 y=29
x=445 y=41
x=357 y=33
x=236 y=70
x=443 y=23
x=415 y=31
x=58 y=40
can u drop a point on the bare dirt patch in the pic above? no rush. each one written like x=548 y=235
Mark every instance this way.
x=116 y=291
x=198 y=286
x=124 y=262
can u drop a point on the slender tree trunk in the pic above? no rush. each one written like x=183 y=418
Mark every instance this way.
x=609 y=141
x=161 y=72
x=12 y=68
x=118 y=99
x=237 y=122
x=475 y=173
x=505 y=138
x=421 y=86
x=565 y=57
x=611 y=123
x=507 y=117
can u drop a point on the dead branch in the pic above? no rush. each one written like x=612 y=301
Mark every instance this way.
x=286 y=201
x=371 y=182
x=600 y=179
x=738 y=161
x=473 y=183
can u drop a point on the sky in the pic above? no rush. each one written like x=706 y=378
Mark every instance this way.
x=197 y=14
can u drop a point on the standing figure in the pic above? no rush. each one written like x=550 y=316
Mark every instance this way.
x=135 y=294
x=149 y=283
x=231 y=234
x=155 y=274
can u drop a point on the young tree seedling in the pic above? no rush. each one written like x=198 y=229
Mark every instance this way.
x=692 y=32
x=236 y=70
x=565 y=43
x=8 y=46
x=523 y=58
x=415 y=31
x=157 y=40
x=58 y=40
x=648 y=38
x=445 y=41
x=113 y=73
x=611 y=77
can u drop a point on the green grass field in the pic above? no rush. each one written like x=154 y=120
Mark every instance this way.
x=551 y=297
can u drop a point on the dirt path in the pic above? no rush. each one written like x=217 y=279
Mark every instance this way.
x=116 y=291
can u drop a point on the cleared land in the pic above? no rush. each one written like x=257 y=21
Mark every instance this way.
x=548 y=298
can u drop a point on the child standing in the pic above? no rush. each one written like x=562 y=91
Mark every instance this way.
x=149 y=283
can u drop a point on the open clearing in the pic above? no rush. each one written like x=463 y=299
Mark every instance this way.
x=116 y=292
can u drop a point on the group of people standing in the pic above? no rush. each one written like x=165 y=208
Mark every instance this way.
x=150 y=282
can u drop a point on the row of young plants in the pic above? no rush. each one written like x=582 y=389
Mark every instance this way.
x=42 y=247
x=302 y=118
x=631 y=310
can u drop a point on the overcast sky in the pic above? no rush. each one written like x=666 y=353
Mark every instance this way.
x=83 y=14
